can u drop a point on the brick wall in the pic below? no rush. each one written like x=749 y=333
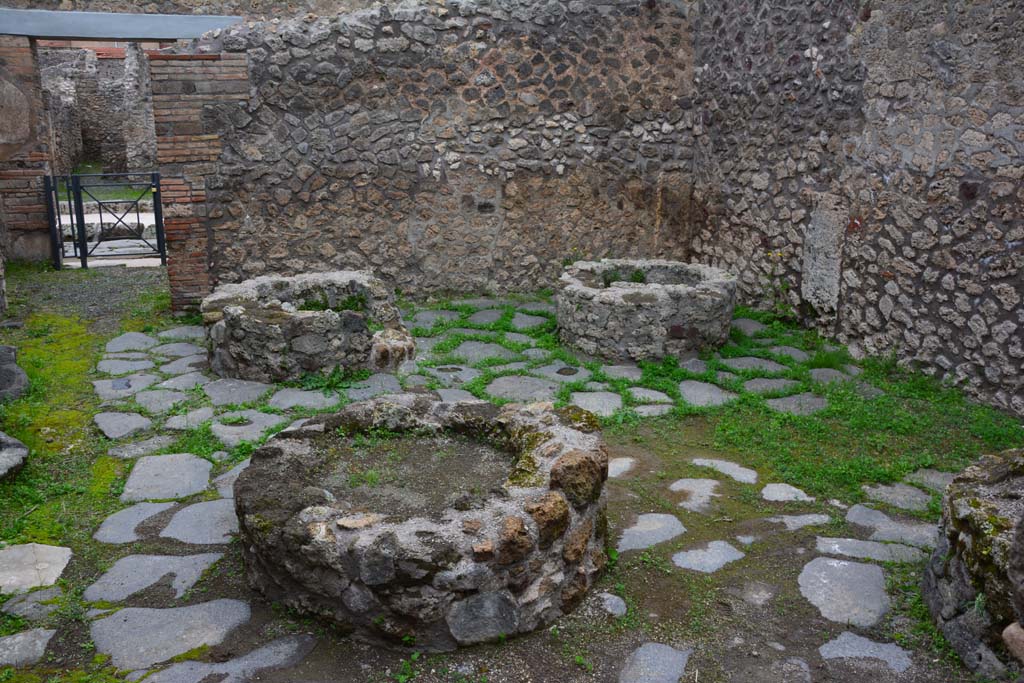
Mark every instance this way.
x=184 y=87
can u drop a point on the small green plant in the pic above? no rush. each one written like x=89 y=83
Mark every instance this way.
x=407 y=669
x=610 y=276
x=369 y=477
x=638 y=276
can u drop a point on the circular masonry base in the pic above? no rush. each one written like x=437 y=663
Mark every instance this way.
x=639 y=309
x=420 y=523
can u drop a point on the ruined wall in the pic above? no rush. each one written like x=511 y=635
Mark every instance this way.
x=254 y=9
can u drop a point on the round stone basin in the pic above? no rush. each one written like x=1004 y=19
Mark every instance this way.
x=639 y=309
x=432 y=525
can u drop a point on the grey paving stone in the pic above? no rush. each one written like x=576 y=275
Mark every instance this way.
x=424 y=345
x=899 y=495
x=120 y=526
x=723 y=376
x=868 y=550
x=184 y=333
x=827 y=375
x=185 y=382
x=792 y=352
x=137 y=638
x=596 y=386
x=282 y=653
x=454 y=375
x=429 y=318
x=189 y=420
x=225 y=483
x=536 y=354
x=746 y=540
x=285 y=399
x=630 y=372
x=562 y=372
x=747 y=326
x=481 y=302
x=887 y=529
x=509 y=367
x=486 y=317
x=207 y=523
x=159 y=400
x=127 y=355
x=754 y=363
x=649 y=395
x=695 y=365
x=933 y=479
x=256 y=425
x=740 y=473
x=703 y=394
x=852 y=646
x=612 y=604
x=699 y=493
x=709 y=559
x=845 y=592
x=653 y=409
x=655 y=663
x=455 y=395
x=798 y=404
x=34 y=606
x=764 y=385
x=415 y=381
x=135 y=573
x=140 y=448
x=522 y=321
x=131 y=341
x=25 y=648
x=161 y=477
x=784 y=493
x=536 y=307
x=178 y=350
x=375 y=385
x=617 y=467
x=519 y=338
x=233 y=391
x=123 y=387
x=13 y=455
x=757 y=593
x=471 y=331
x=650 y=529
x=120 y=425
x=600 y=403
x=865 y=390
x=185 y=365
x=521 y=388
x=115 y=366
x=794 y=522
x=476 y=351
x=852 y=370
x=31 y=565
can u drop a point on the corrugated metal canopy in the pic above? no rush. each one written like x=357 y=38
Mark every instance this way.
x=108 y=25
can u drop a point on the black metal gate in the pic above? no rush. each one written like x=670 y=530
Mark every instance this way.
x=105 y=216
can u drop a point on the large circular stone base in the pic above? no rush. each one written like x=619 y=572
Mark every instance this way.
x=420 y=523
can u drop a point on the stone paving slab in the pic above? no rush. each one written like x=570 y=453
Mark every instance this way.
x=766 y=385
x=13 y=455
x=868 y=550
x=233 y=391
x=135 y=573
x=617 y=467
x=742 y=474
x=160 y=477
x=508 y=367
x=185 y=365
x=481 y=302
x=120 y=425
x=116 y=366
x=747 y=326
x=189 y=420
x=522 y=388
x=702 y=394
x=159 y=400
x=519 y=338
x=185 y=382
x=536 y=307
x=699 y=493
x=522 y=321
x=427 y=319
x=782 y=493
x=653 y=409
x=709 y=559
x=798 y=404
x=537 y=354
x=286 y=399
x=476 y=351
x=796 y=354
x=123 y=387
x=139 y=448
x=120 y=526
x=128 y=355
x=795 y=522
x=899 y=495
x=642 y=395
x=208 y=523
x=131 y=341
x=282 y=653
x=753 y=363
x=184 y=333
x=650 y=529
x=933 y=479
x=31 y=565
x=630 y=372
x=454 y=375
x=845 y=592
x=375 y=385
x=34 y=606
x=600 y=403
x=852 y=646
x=455 y=395
x=178 y=350
x=655 y=663
x=137 y=638
x=695 y=365
x=256 y=425
x=560 y=371
x=827 y=375
x=25 y=648
x=887 y=529
x=225 y=483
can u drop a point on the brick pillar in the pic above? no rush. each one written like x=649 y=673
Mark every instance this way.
x=188 y=150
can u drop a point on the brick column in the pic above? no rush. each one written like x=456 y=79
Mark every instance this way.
x=187 y=151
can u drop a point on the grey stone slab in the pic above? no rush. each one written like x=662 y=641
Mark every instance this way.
x=933 y=479
x=653 y=409
x=723 y=376
x=254 y=426
x=562 y=372
x=827 y=375
x=454 y=375
x=116 y=366
x=233 y=391
x=486 y=317
x=695 y=365
x=34 y=606
x=596 y=386
x=509 y=367
x=845 y=592
x=476 y=351
x=747 y=326
x=186 y=364
x=899 y=495
x=643 y=395
x=225 y=483
x=617 y=467
x=185 y=382
x=798 y=404
x=699 y=493
x=521 y=388
x=131 y=341
x=481 y=302
x=794 y=522
x=184 y=333
x=852 y=370
x=161 y=477
x=887 y=529
x=139 y=448
x=13 y=455
x=519 y=338
x=740 y=473
x=282 y=653
x=792 y=352
x=376 y=385
x=784 y=493
x=650 y=529
x=536 y=307
x=120 y=526
x=536 y=354
x=430 y=318
x=655 y=663
x=137 y=638
x=753 y=363
x=25 y=648
x=135 y=573
x=709 y=559
x=522 y=321
x=207 y=523
x=30 y=565
x=159 y=400
x=600 y=403
x=286 y=399
x=703 y=394
x=764 y=385
x=127 y=355
x=630 y=372
x=852 y=646
x=455 y=395
x=178 y=350
x=471 y=331
x=865 y=390
x=189 y=420
x=869 y=550
x=415 y=381
x=612 y=604
x=120 y=425
x=123 y=387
